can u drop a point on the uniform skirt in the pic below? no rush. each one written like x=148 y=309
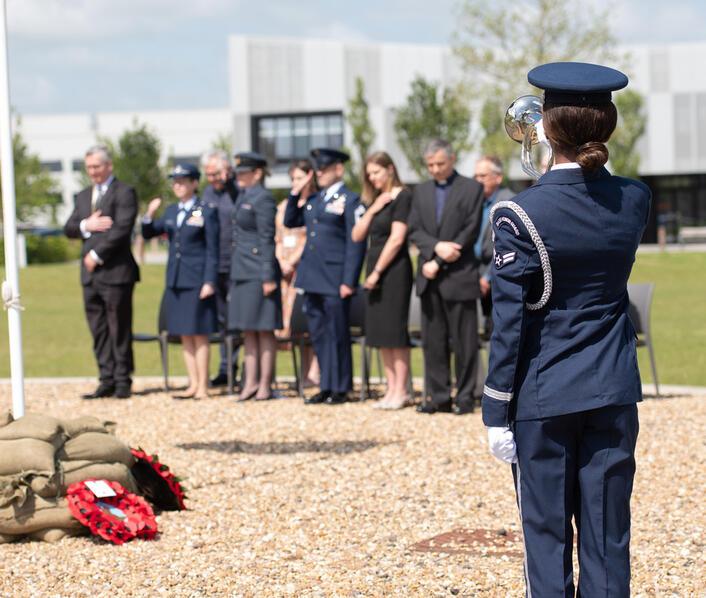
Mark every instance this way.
x=249 y=309
x=187 y=314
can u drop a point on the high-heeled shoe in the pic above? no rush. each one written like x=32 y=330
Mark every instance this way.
x=246 y=396
x=398 y=403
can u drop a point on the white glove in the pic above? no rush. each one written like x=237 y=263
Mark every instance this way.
x=501 y=443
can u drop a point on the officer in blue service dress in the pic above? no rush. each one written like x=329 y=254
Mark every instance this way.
x=255 y=301
x=562 y=387
x=329 y=270
x=192 y=271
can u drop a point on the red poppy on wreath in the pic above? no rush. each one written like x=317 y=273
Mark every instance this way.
x=157 y=483
x=117 y=518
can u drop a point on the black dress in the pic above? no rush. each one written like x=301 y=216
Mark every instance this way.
x=388 y=303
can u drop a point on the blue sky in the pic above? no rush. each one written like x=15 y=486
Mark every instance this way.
x=102 y=55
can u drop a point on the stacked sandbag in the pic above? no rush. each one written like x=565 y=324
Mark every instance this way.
x=40 y=456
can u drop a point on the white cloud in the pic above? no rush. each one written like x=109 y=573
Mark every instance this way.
x=95 y=19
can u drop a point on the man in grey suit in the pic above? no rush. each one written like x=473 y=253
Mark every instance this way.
x=489 y=173
x=444 y=223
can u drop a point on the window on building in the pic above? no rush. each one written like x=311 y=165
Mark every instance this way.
x=52 y=165
x=282 y=138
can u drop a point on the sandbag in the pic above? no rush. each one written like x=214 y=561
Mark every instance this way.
x=87 y=423
x=5 y=418
x=34 y=425
x=77 y=471
x=36 y=514
x=95 y=446
x=53 y=535
x=26 y=455
x=7 y=538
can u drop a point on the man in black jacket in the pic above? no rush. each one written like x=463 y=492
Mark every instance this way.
x=103 y=218
x=444 y=224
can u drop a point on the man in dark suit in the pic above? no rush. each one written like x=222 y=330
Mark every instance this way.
x=103 y=218
x=489 y=173
x=444 y=223
x=329 y=270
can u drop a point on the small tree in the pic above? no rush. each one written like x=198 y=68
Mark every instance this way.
x=223 y=142
x=497 y=44
x=624 y=159
x=136 y=162
x=426 y=116
x=35 y=189
x=359 y=120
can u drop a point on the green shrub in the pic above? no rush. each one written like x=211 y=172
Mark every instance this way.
x=47 y=250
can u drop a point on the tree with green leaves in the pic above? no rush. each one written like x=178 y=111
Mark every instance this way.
x=624 y=159
x=136 y=161
x=223 y=142
x=359 y=121
x=36 y=192
x=430 y=113
x=498 y=43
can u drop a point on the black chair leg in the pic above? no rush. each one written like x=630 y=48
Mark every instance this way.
x=365 y=376
x=653 y=365
x=229 y=360
x=299 y=369
x=164 y=353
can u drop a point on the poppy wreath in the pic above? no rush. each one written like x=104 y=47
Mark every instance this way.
x=157 y=483
x=137 y=520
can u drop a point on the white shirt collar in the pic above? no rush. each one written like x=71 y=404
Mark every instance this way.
x=105 y=184
x=565 y=166
x=186 y=205
x=332 y=189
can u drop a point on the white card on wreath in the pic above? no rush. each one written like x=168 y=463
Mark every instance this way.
x=100 y=488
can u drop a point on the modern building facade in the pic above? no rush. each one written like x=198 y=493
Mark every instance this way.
x=287 y=95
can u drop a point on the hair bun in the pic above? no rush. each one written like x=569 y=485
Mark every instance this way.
x=592 y=155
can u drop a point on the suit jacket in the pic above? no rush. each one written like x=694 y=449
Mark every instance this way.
x=193 y=246
x=460 y=222
x=576 y=353
x=254 y=237
x=113 y=245
x=486 y=256
x=331 y=258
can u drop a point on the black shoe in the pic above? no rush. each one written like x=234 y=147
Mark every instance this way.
x=123 y=391
x=102 y=392
x=337 y=398
x=319 y=397
x=429 y=408
x=463 y=409
x=220 y=380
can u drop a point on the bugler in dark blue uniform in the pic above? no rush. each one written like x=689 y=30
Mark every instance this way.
x=330 y=259
x=563 y=371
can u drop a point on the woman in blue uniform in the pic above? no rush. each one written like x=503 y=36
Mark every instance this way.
x=192 y=270
x=562 y=387
x=255 y=304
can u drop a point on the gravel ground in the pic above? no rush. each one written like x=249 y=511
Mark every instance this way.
x=288 y=500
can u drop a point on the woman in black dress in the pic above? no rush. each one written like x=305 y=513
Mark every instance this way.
x=389 y=272
x=192 y=272
x=255 y=304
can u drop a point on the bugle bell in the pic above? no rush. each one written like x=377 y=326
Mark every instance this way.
x=523 y=123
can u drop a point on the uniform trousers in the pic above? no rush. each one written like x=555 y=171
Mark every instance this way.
x=108 y=309
x=456 y=321
x=579 y=466
x=328 y=320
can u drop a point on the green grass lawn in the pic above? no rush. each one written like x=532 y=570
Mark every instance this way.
x=56 y=341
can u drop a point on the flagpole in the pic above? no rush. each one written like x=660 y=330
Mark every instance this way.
x=11 y=285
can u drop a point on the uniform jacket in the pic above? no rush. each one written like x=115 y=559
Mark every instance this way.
x=460 y=222
x=486 y=257
x=113 y=245
x=254 y=237
x=577 y=352
x=224 y=202
x=193 y=247
x=330 y=257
